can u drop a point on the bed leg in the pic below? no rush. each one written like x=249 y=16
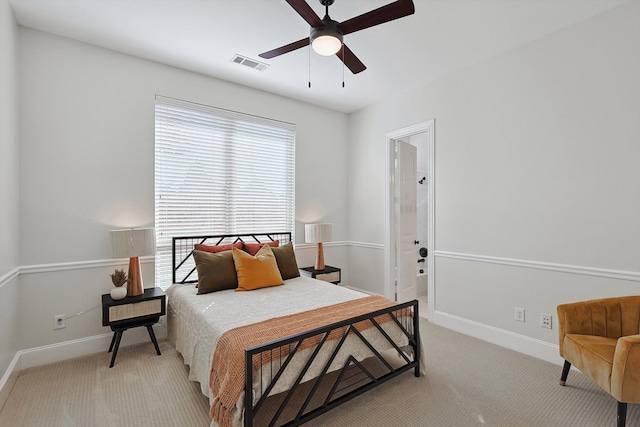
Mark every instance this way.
x=248 y=389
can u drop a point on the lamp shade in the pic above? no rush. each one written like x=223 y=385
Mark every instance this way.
x=132 y=242
x=317 y=233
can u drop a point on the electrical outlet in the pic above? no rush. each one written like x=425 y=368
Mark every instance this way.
x=545 y=320
x=59 y=321
x=520 y=314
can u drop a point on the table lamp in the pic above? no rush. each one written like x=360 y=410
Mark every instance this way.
x=133 y=243
x=318 y=233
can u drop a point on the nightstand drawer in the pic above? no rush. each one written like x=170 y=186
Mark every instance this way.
x=329 y=274
x=149 y=305
x=131 y=311
x=329 y=277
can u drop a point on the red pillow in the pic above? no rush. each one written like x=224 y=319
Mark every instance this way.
x=215 y=249
x=253 y=248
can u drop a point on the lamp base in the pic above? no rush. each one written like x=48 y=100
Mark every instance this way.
x=134 y=282
x=319 y=265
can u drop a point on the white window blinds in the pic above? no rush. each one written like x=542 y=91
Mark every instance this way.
x=219 y=172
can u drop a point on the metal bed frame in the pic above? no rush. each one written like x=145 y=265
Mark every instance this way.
x=305 y=400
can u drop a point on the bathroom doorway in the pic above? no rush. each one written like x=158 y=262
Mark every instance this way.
x=398 y=260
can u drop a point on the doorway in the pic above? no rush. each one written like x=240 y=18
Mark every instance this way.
x=420 y=260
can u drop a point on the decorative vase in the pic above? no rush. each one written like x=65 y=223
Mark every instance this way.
x=119 y=292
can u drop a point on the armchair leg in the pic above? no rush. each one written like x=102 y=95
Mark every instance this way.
x=622 y=414
x=565 y=372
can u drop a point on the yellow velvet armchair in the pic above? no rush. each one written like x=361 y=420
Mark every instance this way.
x=602 y=339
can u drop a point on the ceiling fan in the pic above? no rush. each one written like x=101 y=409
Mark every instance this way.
x=327 y=35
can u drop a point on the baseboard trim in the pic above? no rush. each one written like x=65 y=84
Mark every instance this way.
x=46 y=354
x=84 y=346
x=9 y=379
x=511 y=340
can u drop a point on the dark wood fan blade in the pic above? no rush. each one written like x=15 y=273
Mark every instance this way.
x=350 y=60
x=285 y=49
x=306 y=12
x=395 y=10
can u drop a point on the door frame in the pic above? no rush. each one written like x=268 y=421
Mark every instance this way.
x=390 y=233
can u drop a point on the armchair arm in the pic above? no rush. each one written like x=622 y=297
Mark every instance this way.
x=625 y=377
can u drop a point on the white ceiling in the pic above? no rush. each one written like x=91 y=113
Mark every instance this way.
x=202 y=35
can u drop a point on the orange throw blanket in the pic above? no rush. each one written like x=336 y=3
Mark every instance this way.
x=227 y=376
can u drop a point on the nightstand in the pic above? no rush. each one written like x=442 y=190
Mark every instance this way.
x=329 y=274
x=132 y=312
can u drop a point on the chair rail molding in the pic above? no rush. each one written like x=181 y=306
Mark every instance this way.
x=562 y=268
x=367 y=245
x=540 y=265
x=79 y=265
x=9 y=276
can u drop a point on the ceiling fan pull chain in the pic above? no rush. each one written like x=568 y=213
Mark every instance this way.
x=343 y=65
x=309 y=66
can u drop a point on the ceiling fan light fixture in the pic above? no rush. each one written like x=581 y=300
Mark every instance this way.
x=327 y=40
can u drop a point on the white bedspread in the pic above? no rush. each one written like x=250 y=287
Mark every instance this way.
x=195 y=336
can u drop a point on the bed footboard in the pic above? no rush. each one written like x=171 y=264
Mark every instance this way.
x=335 y=384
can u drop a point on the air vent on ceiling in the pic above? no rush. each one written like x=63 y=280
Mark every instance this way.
x=251 y=63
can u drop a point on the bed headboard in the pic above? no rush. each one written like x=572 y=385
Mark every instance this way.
x=183 y=265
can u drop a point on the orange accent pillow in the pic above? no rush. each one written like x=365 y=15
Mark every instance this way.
x=219 y=248
x=253 y=248
x=255 y=272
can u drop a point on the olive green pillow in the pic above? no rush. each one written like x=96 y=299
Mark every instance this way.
x=286 y=259
x=216 y=271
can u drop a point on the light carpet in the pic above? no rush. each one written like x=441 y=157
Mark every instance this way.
x=469 y=382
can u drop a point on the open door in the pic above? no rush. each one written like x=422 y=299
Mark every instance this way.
x=406 y=220
x=395 y=272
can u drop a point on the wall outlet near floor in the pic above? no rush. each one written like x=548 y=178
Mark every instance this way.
x=520 y=314
x=545 y=320
x=59 y=321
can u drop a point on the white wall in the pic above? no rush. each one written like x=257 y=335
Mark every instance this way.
x=537 y=159
x=87 y=166
x=9 y=152
x=9 y=190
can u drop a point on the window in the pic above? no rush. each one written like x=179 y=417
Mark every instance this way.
x=219 y=172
